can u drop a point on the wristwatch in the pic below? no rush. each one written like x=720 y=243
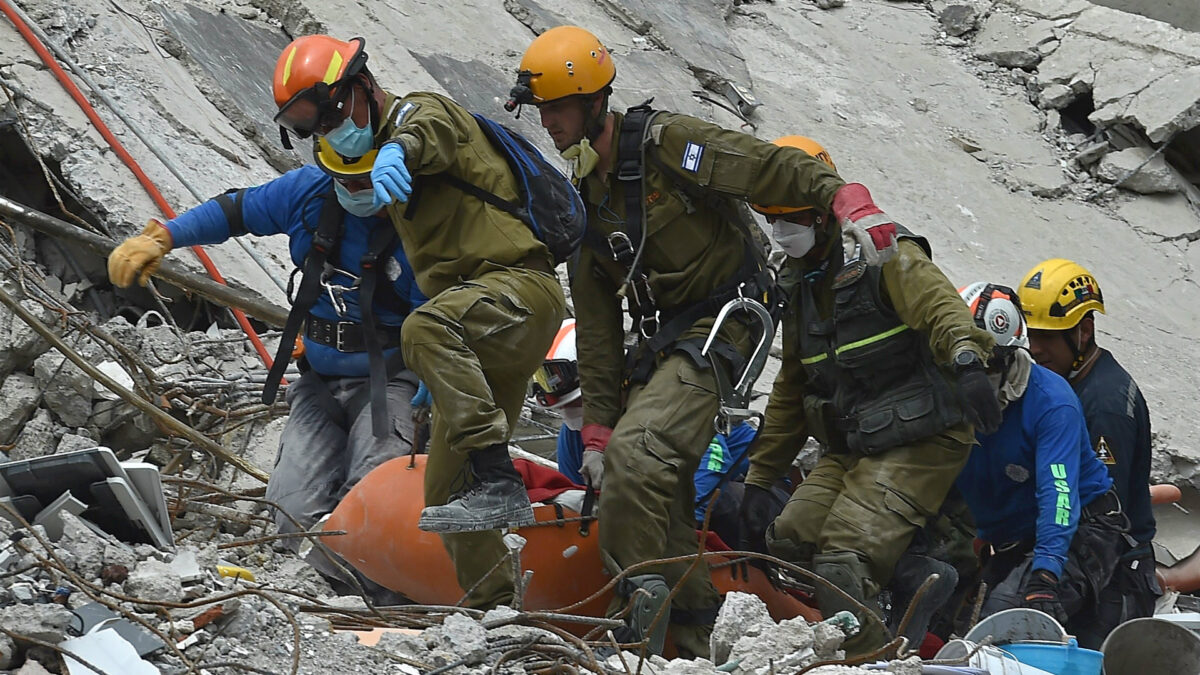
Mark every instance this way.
x=964 y=360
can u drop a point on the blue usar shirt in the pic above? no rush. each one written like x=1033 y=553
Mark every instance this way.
x=1030 y=479
x=291 y=205
x=1116 y=413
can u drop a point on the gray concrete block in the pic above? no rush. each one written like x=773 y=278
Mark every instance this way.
x=18 y=398
x=1155 y=176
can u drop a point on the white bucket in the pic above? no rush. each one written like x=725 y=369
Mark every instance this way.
x=992 y=659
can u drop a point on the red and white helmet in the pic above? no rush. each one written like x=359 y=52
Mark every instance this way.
x=556 y=381
x=997 y=309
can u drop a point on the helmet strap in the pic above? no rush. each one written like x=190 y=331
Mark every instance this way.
x=1084 y=354
x=594 y=124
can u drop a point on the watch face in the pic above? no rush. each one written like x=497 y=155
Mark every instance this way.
x=964 y=359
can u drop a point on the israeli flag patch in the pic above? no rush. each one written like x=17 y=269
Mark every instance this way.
x=691 y=157
x=404 y=110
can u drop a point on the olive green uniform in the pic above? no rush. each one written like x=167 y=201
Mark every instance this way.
x=494 y=307
x=861 y=507
x=662 y=426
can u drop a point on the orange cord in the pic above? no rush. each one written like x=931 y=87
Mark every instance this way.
x=130 y=162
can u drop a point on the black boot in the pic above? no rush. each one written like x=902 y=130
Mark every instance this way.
x=496 y=499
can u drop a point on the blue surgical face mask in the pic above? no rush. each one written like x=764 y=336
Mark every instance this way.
x=360 y=203
x=349 y=140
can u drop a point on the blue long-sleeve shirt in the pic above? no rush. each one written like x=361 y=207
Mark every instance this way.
x=1030 y=479
x=291 y=205
x=1119 y=423
x=724 y=455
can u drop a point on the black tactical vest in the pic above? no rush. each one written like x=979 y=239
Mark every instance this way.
x=872 y=383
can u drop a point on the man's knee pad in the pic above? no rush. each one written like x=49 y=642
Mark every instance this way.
x=647 y=595
x=849 y=573
x=796 y=552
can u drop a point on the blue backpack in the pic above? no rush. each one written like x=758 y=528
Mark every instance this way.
x=547 y=202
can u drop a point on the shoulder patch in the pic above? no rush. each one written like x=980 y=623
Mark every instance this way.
x=1103 y=453
x=1035 y=281
x=403 y=112
x=691 y=157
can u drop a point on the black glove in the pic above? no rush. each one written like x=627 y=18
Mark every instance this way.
x=1041 y=593
x=759 y=508
x=758 y=511
x=978 y=396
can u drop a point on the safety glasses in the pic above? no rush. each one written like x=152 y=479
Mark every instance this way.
x=314 y=110
x=553 y=379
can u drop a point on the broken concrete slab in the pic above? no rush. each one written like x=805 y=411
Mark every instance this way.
x=19 y=396
x=779 y=647
x=1012 y=42
x=741 y=614
x=534 y=15
x=1118 y=81
x=87 y=546
x=959 y=17
x=1129 y=169
x=698 y=35
x=38 y=437
x=1169 y=105
x=235 y=53
x=1041 y=180
x=1178 y=13
x=66 y=389
x=1120 y=27
x=1167 y=215
x=46 y=622
x=154 y=580
x=1049 y=9
x=21 y=343
x=481 y=88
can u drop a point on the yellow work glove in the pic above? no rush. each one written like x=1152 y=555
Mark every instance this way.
x=139 y=257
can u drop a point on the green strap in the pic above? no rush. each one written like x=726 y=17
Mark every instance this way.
x=855 y=345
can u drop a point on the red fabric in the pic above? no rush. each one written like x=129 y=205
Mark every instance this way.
x=852 y=202
x=883 y=236
x=930 y=646
x=541 y=482
x=595 y=436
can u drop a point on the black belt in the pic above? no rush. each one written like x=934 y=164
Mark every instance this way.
x=346 y=336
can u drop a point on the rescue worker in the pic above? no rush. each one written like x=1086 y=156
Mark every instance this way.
x=327 y=444
x=494 y=300
x=723 y=465
x=1060 y=298
x=885 y=367
x=1041 y=498
x=668 y=230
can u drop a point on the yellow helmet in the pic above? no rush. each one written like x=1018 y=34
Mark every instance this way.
x=336 y=165
x=563 y=61
x=1057 y=293
x=809 y=146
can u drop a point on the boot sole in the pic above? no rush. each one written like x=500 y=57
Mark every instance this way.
x=442 y=526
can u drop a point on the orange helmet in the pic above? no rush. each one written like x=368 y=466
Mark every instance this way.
x=307 y=79
x=564 y=61
x=809 y=146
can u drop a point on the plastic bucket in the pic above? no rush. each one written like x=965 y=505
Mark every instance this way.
x=1151 y=645
x=1060 y=659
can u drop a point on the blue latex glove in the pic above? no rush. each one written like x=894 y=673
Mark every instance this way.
x=389 y=177
x=422 y=399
